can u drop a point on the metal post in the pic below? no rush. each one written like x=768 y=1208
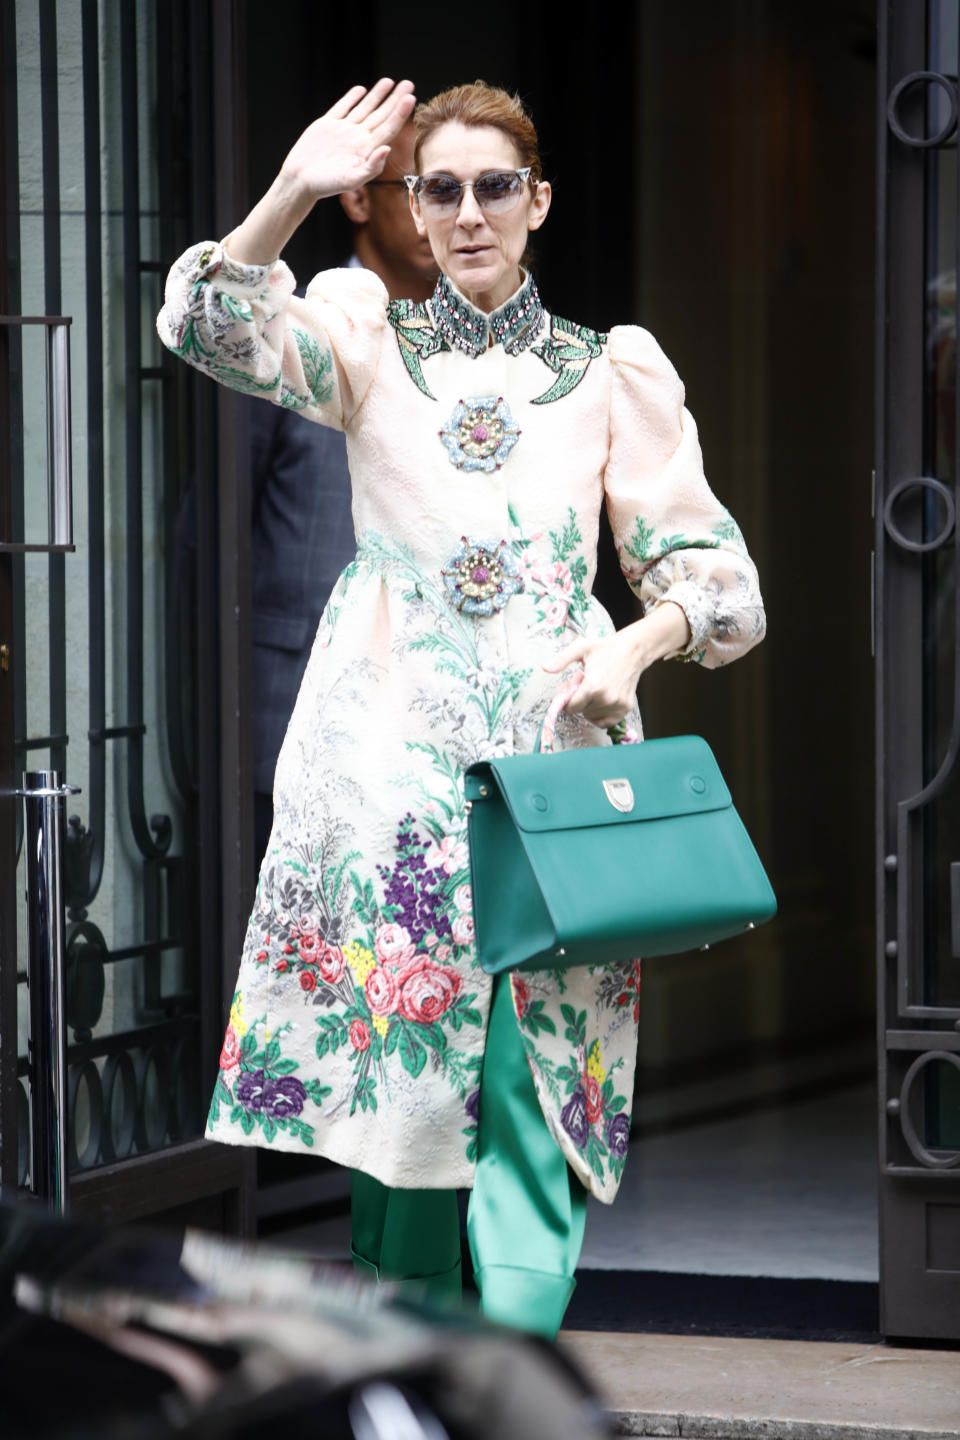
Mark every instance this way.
x=45 y=813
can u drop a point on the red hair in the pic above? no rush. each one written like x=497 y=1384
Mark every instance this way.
x=475 y=105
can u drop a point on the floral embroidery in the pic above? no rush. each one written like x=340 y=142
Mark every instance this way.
x=567 y=351
x=257 y=1081
x=482 y=576
x=360 y=995
x=593 y=1114
x=393 y=993
x=639 y=547
x=480 y=433
x=559 y=586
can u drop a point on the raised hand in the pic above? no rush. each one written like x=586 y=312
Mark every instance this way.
x=342 y=150
x=349 y=145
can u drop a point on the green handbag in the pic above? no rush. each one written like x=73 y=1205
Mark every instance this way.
x=606 y=854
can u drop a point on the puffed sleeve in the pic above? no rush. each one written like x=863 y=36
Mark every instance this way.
x=243 y=325
x=674 y=539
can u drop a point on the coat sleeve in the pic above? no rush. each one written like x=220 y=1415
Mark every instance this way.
x=674 y=539
x=242 y=325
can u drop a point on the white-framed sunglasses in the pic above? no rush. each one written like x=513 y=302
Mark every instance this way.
x=494 y=190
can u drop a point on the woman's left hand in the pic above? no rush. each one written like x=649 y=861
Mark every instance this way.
x=613 y=666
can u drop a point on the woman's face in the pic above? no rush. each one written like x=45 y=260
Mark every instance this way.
x=480 y=251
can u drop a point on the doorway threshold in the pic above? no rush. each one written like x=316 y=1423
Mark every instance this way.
x=704 y=1388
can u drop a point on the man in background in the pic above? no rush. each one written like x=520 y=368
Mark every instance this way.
x=302 y=524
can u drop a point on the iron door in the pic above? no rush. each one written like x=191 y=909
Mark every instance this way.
x=113 y=656
x=917 y=619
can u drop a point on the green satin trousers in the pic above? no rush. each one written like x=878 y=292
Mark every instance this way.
x=526 y=1214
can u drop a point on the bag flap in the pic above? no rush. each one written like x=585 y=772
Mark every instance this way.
x=605 y=784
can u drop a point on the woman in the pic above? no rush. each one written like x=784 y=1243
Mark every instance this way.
x=483 y=435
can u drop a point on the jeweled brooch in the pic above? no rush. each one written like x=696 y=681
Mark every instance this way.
x=480 y=433
x=481 y=576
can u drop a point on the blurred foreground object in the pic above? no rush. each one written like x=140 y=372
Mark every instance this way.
x=124 y=1333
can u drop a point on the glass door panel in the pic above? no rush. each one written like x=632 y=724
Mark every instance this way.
x=95 y=694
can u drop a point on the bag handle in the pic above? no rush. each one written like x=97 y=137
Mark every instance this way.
x=620 y=734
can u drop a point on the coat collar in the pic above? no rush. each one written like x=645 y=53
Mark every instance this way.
x=514 y=325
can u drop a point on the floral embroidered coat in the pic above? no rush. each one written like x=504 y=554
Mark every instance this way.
x=357 y=1028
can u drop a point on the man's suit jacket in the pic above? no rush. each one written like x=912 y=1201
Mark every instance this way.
x=302 y=539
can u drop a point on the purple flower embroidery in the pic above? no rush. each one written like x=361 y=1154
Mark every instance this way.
x=414 y=893
x=618 y=1134
x=573 y=1118
x=472 y=1106
x=249 y=1091
x=278 y=1098
x=283 y=1097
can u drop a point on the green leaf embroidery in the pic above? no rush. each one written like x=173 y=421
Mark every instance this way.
x=639 y=541
x=317 y=362
x=413 y=1056
x=417 y=339
x=567 y=351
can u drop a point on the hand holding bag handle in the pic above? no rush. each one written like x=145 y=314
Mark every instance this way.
x=622 y=734
x=602 y=854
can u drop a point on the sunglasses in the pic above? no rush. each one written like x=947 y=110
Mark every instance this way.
x=496 y=190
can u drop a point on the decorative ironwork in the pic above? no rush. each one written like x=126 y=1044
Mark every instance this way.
x=130 y=1091
x=902 y=88
x=919 y=547
x=942 y=1160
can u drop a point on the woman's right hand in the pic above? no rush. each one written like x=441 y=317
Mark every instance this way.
x=349 y=145
x=342 y=150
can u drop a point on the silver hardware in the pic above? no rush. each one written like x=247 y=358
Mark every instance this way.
x=620 y=794
x=468 y=806
x=484 y=791
x=891 y=949
x=705 y=947
x=50 y=793
x=890 y=862
x=751 y=925
x=561 y=951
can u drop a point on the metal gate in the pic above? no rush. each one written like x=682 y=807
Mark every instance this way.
x=917 y=622
x=111 y=648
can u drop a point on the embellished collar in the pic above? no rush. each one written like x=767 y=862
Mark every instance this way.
x=514 y=325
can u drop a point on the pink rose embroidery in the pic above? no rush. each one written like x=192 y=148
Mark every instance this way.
x=230 y=1054
x=594 y=1098
x=359 y=1036
x=463 y=899
x=330 y=963
x=308 y=945
x=462 y=930
x=393 y=943
x=382 y=992
x=427 y=990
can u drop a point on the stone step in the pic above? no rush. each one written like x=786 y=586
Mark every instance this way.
x=703 y=1388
